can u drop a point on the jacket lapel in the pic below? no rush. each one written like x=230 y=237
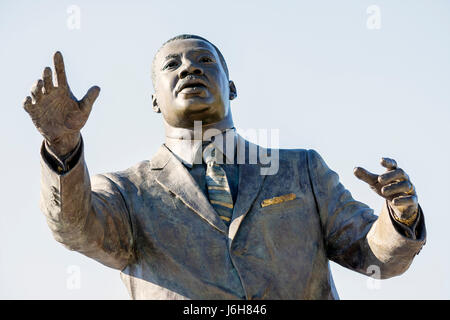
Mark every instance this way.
x=250 y=183
x=174 y=176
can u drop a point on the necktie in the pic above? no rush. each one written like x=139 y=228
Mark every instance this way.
x=217 y=183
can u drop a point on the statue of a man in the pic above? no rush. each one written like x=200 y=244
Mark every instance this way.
x=194 y=222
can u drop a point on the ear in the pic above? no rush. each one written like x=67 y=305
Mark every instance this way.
x=155 y=104
x=233 y=91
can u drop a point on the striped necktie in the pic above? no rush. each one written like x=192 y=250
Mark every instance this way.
x=218 y=189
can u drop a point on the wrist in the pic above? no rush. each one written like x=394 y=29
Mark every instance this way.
x=62 y=146
x=406 y=220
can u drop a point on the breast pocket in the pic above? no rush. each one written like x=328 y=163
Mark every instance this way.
x=285 y=206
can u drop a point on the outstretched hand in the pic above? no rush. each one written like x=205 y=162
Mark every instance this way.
x=55 y=111
x=395 y=186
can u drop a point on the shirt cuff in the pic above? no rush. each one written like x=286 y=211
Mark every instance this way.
x=408 y=231
x=62 y=164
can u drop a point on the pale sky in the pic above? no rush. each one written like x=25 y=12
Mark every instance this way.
x=312 y=69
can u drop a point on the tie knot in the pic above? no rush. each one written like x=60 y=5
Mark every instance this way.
x=209 y=154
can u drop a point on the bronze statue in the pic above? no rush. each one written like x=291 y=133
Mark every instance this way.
x=194 y=222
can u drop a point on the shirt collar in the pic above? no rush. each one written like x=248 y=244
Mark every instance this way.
x=189 y=151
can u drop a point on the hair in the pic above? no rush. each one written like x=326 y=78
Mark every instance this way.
x=184 y=37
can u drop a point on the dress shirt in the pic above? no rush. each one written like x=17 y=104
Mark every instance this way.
x=189 y=153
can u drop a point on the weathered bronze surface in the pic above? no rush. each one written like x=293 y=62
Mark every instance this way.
x=155 y=223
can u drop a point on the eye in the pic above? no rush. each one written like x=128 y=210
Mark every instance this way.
x=171 y=64
x=206 y=59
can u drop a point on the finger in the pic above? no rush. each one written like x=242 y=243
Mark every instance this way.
x=405 y=201
x=365 y=175
x=36 y=90
x=89 y=99
x=60 y=70
x=392 y=176
x=388 y=163
x=400 y=187
x=27 y=105
x=47 y=76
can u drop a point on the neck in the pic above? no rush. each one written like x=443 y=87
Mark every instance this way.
x=198 y=132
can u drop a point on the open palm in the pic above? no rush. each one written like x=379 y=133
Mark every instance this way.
x=55 y=111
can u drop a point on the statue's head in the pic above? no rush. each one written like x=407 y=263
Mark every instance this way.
x=191 y=82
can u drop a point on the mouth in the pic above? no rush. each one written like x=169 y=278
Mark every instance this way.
x=192 y=86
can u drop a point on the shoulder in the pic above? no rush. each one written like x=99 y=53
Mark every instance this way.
x=135 y=174
x=295 y=154
x=307 y=158
x=315 y=159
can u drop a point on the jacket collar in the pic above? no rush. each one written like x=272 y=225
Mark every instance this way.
x=189 y=151
x=174 y=176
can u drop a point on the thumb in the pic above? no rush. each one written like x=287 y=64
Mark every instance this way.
x=89 y=99
x=365 y=176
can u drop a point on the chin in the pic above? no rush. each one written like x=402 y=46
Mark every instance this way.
x=197 y=108
x=194 y=105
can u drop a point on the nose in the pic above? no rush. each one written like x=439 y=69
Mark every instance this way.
x=190 y=68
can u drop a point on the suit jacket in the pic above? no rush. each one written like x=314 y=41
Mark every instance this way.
x=154 y=224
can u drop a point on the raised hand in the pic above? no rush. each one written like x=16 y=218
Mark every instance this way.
x=55 y=111
x=395 y=186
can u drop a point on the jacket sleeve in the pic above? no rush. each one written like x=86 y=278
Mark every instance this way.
x=92 y=219
x=356 y=238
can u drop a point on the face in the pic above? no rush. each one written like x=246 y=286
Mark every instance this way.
x=191 y=84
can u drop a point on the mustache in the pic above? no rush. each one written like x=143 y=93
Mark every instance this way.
x=191 y=80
